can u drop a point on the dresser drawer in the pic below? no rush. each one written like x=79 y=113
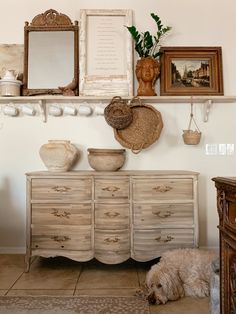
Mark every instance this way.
x=61 y=237
x=112 y=189
x=61 y=214
x=112 y=216
x=151 y=240
x=62 y=190
x=117 y=240
x=159 y=215
x=162 y=189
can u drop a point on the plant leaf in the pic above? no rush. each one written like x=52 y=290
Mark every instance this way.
x=148 y=42
x=157 y=20
x=134 y=33
x=155 y=55
x=138 y=47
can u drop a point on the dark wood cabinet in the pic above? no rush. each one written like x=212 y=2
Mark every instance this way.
x=226 y=206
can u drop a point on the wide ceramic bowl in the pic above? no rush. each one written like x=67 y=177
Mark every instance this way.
x=106 y=159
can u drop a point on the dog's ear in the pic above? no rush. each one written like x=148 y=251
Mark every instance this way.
x=173 y=285
x=179 y=286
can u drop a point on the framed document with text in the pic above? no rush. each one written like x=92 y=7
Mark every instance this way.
x=105 y=53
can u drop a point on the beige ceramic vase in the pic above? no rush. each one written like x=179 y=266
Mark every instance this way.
x=58 y=155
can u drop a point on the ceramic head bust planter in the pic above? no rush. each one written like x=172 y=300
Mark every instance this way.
x=148 y=47
x=147 y=72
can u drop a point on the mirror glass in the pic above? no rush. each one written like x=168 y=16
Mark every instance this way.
x=50 y=59
x=51 y=55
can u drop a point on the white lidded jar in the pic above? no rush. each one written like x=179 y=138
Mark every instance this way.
x=58 y=155
x=10 y=87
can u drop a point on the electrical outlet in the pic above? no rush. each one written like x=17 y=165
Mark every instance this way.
x=230 y=149
x=219 y=149
x=222 y=149
x=211 y=149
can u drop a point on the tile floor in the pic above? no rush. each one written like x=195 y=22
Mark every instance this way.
x=60 y=276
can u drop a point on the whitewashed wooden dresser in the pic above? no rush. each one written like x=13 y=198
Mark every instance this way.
x=111 y=216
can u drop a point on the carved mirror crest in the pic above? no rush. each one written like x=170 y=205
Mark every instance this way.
x=51 y=55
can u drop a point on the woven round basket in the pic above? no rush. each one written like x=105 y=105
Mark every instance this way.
x=118 y=113
x=191 y=137
x=144 y=130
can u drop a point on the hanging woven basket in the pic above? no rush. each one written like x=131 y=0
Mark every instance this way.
x=144 y=130
x=118 y=113
x=192 y=137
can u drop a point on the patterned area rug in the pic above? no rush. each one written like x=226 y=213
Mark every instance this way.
x=72 y=305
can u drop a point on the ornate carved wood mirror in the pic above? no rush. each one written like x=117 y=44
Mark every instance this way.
x=51 y=55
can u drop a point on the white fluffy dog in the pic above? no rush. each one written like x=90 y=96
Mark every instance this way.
x=181 y=272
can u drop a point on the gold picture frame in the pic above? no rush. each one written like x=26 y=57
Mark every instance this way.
x=191 y=71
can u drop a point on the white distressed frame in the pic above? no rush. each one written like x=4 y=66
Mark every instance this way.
x=95 y=85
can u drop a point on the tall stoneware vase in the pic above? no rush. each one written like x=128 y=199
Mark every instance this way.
x=147 y=72
x=58 y=155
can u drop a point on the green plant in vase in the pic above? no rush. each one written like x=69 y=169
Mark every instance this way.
x=148 y=48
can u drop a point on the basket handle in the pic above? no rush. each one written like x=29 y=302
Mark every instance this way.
x=136 y=151
x=117 y=98
x=136 y=99
x=192 y=118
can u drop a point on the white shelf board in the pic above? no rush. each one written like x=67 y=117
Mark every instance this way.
x=44 y=101
x=107 y=99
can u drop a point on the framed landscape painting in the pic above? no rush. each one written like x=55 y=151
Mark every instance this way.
x=191 y=71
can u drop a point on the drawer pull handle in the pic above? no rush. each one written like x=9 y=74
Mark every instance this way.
x=162 y=188
x=60 y=215
x=168 y=239
x=61 y=189
x=163 y=214
x=111 y=188
x=60 y=238
x=111 y=215
x=112 y=240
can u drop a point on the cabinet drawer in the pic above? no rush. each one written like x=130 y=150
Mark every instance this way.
x=154 y=215
x=61 y=214
x=162 y=189
x=117 y=240
x=230 y=215
x=151 y=240
x=112 y=189
x=62 y=189
x=61 y=237
x=112 y=216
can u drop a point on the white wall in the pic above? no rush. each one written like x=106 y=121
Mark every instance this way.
x=195 y=23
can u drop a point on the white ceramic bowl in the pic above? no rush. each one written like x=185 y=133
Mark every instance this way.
x=106 y=159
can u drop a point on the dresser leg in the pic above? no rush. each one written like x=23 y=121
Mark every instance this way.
x=27 y=263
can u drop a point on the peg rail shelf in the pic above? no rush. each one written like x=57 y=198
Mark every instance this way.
x=44 y=101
